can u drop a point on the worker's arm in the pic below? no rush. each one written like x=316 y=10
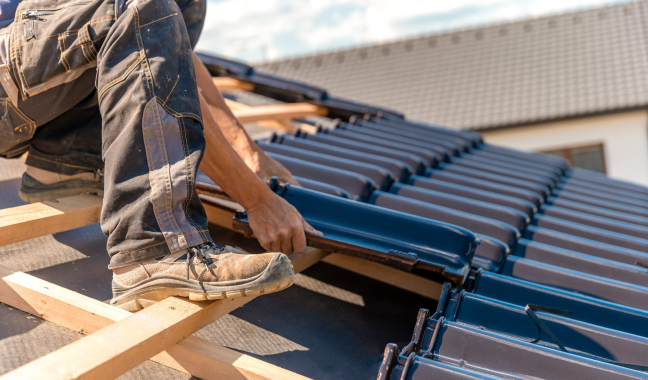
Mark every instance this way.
x=275 y=223
x=255 y=158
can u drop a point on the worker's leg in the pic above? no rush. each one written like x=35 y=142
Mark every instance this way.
x=65 y=153
x=193 y=14
x=152 y=146
x=71 y=143
x=152 y=135
x=152 y=142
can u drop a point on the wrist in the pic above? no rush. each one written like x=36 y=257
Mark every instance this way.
x=258 y=193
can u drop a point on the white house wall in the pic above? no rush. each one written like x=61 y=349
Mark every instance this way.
x=624 y=137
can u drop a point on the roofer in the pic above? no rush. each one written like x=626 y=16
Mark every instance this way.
x=104 y=96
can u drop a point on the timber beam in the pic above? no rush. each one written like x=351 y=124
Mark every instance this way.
x=226 y=84
x=40 y=219
x=278 y=112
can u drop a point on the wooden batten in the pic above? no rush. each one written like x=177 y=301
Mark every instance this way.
x=400 y=279
x=40 y=219
x=235 y=106
x=226 y=84
x=114 y=350
x=279 y=112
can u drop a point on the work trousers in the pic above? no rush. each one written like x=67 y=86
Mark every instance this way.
x=110 y=85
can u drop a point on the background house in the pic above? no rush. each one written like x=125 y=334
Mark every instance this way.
x=572 y=84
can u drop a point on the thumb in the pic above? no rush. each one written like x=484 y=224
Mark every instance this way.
x=287 y=178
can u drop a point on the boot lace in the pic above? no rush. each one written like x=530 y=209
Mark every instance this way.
x=205 y=253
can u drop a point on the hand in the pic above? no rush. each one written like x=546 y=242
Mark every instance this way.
x=266 y=167
x=278 y=225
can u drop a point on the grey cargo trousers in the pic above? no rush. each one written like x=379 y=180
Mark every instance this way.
x=68 y=66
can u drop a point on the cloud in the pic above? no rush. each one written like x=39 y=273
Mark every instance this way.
x=256 y=30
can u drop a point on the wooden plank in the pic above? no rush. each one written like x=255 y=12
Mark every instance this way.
x=386 y=274
x=225 y=84
x=240 y=109
x=220 y=211
x=86 y=315
x=278 y=112
x=209 y=361
x=282 y=125
x=307 y=128
x=39 y=219
x=236 y=106
x=83 y=314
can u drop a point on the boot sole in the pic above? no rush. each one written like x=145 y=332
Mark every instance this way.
x=277 y=276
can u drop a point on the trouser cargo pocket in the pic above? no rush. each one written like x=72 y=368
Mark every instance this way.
x=15 y=129
x=54 y=42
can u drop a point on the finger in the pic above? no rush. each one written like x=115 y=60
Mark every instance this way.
x=308 y=228
x=299 y=240
x=289 y=179
x=263 y=240
x=275 y=245
x=287 y=247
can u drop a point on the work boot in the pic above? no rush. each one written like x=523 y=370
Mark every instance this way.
x=40 y=185
x=204 y=272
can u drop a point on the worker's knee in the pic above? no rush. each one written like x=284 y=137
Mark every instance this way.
x=160 y=24
x=193 y=13
x=151 y=38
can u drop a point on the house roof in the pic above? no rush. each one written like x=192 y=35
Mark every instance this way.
x=548 y=68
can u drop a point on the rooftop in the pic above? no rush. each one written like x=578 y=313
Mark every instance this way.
x=542 y=69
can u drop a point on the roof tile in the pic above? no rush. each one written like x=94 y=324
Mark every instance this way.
x=527 y=71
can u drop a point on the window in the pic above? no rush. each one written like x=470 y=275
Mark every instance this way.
x=587 y=157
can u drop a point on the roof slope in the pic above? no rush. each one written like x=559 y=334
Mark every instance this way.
x=534 y=70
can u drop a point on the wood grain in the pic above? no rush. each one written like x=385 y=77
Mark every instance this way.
x=388 y=275
x=278 y=112
x=225 y=84
x=39 y=219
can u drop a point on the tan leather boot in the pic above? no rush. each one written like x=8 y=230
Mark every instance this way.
x=40 y=185
x=202 y=273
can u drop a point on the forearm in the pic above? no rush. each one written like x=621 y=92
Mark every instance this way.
x=229 y=125
x=225 y=167
x=227 y=161
x=255 y=158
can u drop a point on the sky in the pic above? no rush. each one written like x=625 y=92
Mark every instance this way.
x=264 y=30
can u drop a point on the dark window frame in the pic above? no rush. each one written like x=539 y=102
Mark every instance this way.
x=566 y=152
